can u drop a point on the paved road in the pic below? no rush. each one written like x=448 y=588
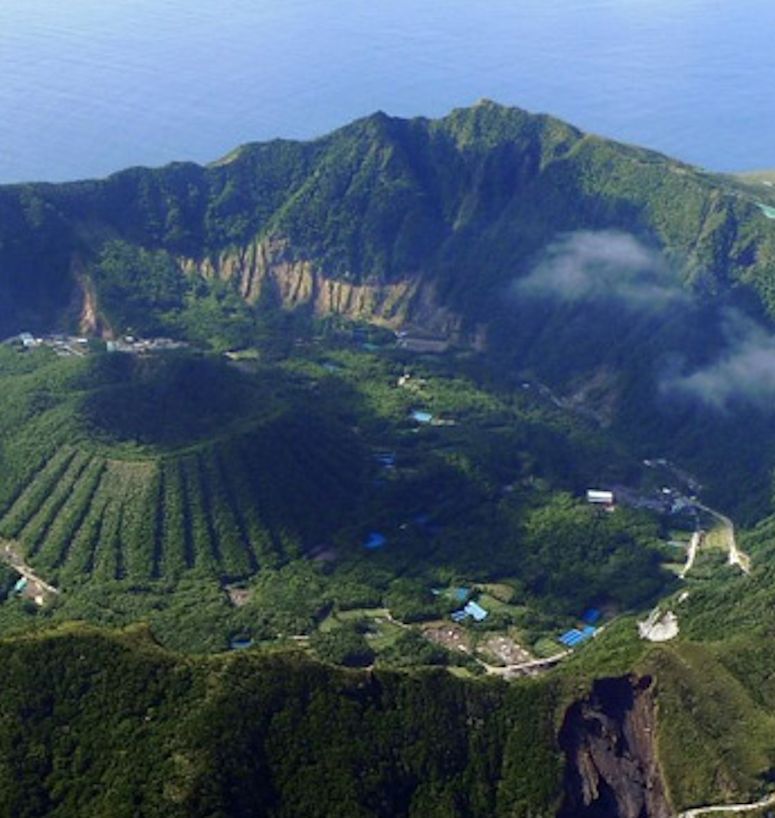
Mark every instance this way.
x=533 y=664
x=694 y=544
x=697 y=812
x=736 y=556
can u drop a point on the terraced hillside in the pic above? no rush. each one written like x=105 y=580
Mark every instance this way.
x=220 y=497
x=236 y=480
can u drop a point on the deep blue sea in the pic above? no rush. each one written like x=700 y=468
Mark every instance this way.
x=90 y=86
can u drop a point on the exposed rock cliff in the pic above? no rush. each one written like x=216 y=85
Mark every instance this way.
x=612 y=769
x=269 y=270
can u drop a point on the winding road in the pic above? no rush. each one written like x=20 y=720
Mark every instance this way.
x=523 y=667
x=691 y=555
x=736 y=556
x=697 y=812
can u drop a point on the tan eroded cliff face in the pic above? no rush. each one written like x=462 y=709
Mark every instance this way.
x=609 y=741
x=267 y=270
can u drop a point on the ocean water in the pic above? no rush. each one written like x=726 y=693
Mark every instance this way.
x=90 y=86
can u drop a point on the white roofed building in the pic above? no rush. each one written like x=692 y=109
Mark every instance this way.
x=598 y=497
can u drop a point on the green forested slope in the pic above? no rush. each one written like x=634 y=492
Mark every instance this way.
x=101 y=725
x=108 y=724
x=120 y=467
x=431 y=222
x=462 y=202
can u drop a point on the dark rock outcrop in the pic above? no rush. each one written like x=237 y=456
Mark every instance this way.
x=609 y=744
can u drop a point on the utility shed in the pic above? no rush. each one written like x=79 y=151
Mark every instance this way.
x=598 y=497
x=422 y=417
x=375 y=540
x=591 y=616
x=476 y=612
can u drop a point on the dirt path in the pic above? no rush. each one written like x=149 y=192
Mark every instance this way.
x=522 y=667
x=691 y=555
x=767 y=801
x=10 y=556
x=736 y=556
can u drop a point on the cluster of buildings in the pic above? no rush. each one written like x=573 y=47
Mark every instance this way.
x=69 y=345
x=577 y=636
x=138 y=346
x=470 y=609
x=64 y=345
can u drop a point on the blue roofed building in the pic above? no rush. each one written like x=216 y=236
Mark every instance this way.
x=571 y=638
x=240 y=643
x=475 y=611
x=591 y=616
x=575 y=637
x=470 y=609
x=422 y=417
x=375 y=540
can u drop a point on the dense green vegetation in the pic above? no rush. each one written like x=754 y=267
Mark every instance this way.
x=224 y=493
x=142 y=468
x=149 y=486
x=385 y=196
x=97 y=723
x=128 y=730
x=435 y=220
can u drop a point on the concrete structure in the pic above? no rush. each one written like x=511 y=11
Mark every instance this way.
x=598 y=497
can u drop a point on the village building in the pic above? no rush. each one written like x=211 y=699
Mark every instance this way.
x=598 y=497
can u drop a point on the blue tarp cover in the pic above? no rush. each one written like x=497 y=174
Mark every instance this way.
x=591 y=616
x=375 y=540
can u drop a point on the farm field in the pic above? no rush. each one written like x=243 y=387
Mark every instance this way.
x=297 y=493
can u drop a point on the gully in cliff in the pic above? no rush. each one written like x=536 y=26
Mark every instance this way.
x=611 y=769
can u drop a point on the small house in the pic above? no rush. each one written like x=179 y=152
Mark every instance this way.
x=591 y=616
x=598 y=497
x=476 y=612
x=374 y=541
